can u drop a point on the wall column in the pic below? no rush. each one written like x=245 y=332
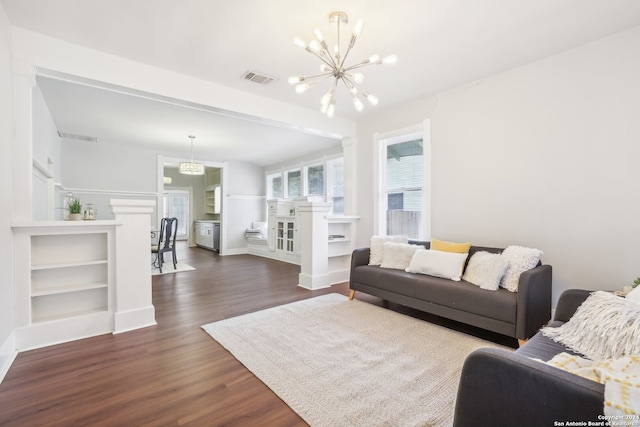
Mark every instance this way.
x=349 y=146
x=133 y=306
x=24 y=80
x=313 y=238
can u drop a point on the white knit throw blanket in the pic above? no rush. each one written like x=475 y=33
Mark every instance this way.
x=621 y=379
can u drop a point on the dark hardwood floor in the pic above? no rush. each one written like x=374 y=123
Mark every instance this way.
x=171 y=374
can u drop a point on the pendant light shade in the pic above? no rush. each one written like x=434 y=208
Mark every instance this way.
x=191 y=168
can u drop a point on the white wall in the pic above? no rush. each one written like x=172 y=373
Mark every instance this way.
x=544 y=155
x=7 y=317
x=242 y=204
x=98 y=172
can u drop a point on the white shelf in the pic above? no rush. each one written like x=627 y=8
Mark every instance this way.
x=341 y=240
x=339 y=254
x=67 y=316
x=68 y=265
x=66 y=288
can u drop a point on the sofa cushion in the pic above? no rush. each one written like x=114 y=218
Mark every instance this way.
x=447 y=265
x=486 y=270
x=396 y=281
x=520 y=259
x=441 y=245
x=542 y=347
x=377 y=246
x=603 y=327
x=500 y=305
x=397 y=255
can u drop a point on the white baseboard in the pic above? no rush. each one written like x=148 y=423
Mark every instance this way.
x=237 y=251
x=126 y=321
x=307 y=281
x=8 y=354
x=43 y=334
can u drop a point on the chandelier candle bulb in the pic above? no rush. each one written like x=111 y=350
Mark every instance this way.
x=303 y=87
x=391 y=59
x=374 y=59
x=299 y=42
x=318 y=35
x=314 y=46
x=358 y=28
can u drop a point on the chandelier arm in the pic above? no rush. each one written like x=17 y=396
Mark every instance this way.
x=350 y=84
x=351 y=44
x=306 y=78
x=360 y=65
x=354 y=91
x=321 y=77
x=322 y=58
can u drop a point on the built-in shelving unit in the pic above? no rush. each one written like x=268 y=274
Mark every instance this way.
x=282 y=226
x=69 y=275
x=341 y=232
x=65 y=270
x=212 y=192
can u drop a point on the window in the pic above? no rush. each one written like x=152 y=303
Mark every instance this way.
x=274 y=186
x=294 y=181
x=315 y=180
x=395 y=201
x=319 y=178
x=403 y=172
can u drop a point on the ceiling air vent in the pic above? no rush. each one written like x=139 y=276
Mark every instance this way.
x=261 y=79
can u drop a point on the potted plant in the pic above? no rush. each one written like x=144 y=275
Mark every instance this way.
x=75 y=209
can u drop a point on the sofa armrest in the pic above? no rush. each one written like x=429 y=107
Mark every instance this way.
x=533 y=301
x=569 y=302
x=359 y=256
x=501 y=388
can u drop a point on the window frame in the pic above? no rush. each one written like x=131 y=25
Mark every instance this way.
x=283 y=171
x=382 y=141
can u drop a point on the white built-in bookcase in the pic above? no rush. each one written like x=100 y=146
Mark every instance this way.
x=65 y=274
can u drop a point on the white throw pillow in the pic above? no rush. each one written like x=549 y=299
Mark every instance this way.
x=397 y=255
x=486 y=270
x=377 y=243
x=447 y=265
x=605 y=326
x=520 y=259
x=634 y=295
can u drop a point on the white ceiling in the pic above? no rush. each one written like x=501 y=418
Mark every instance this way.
x=440 y=44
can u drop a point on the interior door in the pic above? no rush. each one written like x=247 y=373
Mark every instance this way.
x=176 y=204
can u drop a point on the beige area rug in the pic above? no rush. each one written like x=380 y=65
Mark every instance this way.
x=337 y=362
x=167 y=268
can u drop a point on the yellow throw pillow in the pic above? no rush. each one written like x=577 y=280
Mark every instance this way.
x=459 y=248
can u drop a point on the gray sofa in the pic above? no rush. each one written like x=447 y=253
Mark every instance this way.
x=515 y=314
x=504 y=388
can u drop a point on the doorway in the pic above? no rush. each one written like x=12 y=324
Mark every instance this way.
x=176 y=204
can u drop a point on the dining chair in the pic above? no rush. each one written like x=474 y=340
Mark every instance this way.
x=166 y=241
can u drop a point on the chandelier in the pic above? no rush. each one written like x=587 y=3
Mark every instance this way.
x=191 y=168
x=333 y=65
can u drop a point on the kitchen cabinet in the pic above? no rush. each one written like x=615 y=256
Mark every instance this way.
x=208 y=235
